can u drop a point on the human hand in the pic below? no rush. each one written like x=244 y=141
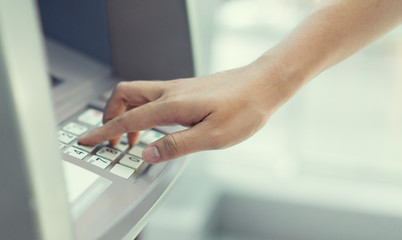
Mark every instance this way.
x=226 y=108
x=220 y=110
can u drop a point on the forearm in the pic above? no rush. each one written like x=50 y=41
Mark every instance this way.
x=334 y=31
x=226 y=108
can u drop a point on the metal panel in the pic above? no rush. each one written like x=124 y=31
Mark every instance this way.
x=81 y=25
x=150 y=39
x=33 y=201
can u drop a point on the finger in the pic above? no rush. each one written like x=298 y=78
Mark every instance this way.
x=137 y=119
x=116 y=105
x=179 y=144
x=133 y=137
x=133 y=94
x=113 y=142
x=126 y=96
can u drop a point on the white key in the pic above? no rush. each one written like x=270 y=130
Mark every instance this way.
x=122 y=146
x=124 y=138
x=99 y=162
x=85 y=148
x=109 y=153
x=136 y=151
x=151 y=136
x=91 y=116
x=65 y=137
x=75 y=128
x=75 y=152
x=122 y=171
x=131 y=161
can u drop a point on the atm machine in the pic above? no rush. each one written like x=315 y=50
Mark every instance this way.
x=59 y=61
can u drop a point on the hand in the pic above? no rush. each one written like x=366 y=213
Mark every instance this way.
x=226 y=108
x=220 y=111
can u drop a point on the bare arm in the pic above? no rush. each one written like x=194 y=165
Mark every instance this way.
x=334 y=31
x=226 y=108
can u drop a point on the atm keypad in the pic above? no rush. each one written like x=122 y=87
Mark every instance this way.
x=122 y=160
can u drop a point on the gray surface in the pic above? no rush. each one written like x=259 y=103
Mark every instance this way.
x=80 y=24
x=33 y=201
x=34 y=205
x=15 y=197
x=150 y=39
x=239 y=215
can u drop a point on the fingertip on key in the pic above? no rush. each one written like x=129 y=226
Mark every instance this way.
x=151 y=154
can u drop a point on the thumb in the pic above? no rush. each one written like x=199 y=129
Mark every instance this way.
x=177 y=144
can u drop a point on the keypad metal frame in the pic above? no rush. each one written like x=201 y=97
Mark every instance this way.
x=73 y=149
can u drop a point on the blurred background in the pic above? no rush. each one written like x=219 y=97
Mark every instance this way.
x=328 y=165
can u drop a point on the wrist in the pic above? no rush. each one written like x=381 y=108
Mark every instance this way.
x=279 y=76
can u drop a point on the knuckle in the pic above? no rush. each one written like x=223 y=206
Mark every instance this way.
x=107 y=117
x=103 y=136
x=120 y=86
x=172 y=145
x=217 y=139
x=122 y=123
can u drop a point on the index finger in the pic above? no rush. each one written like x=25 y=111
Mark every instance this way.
x=128 y=95
x=135 y=93
x=137 y=119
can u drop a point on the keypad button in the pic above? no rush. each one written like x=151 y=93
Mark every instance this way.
x=99 y=162
x=85 y=148
x=122 y=171
x=122 y=146
x=131 y=161
x=136 y=151
x=65 y=137
x=75 y=152
x=91 y=116
x=151 y=136
x=122 y=160
x=75 y=128
x=109 y=153
x=124 y=138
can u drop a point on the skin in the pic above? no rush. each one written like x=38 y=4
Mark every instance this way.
x=226 y=108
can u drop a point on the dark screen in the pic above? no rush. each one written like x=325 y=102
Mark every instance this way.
x=80 y=24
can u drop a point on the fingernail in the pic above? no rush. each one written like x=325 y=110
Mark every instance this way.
x=151 y=154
